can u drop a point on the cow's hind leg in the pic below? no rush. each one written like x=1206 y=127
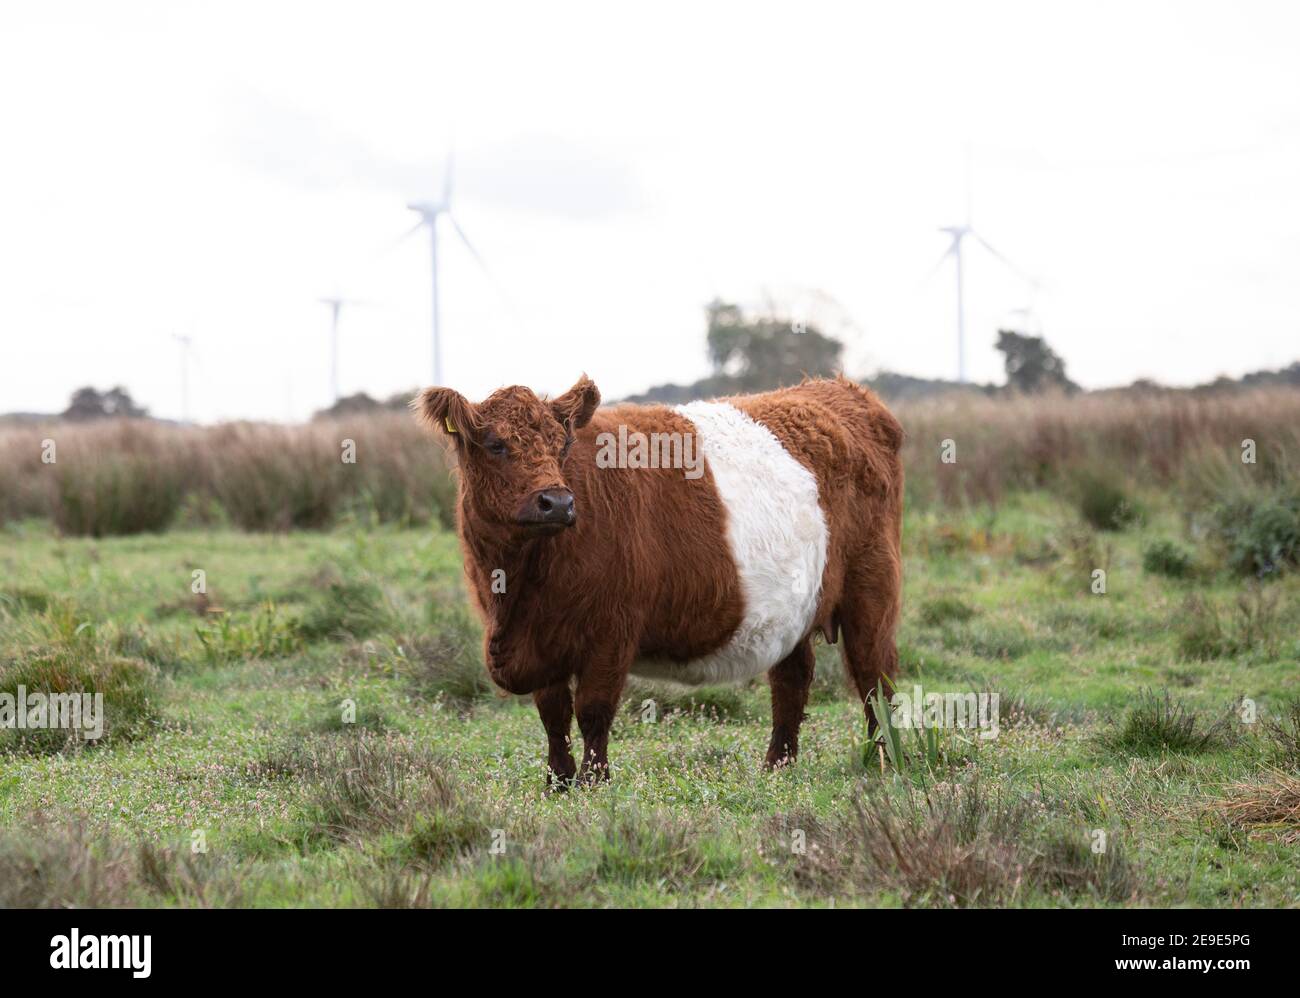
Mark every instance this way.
x=555 y=707
x=789 y=679
x=868 y=615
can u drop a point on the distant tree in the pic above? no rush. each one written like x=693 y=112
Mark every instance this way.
x=1032 y=366
x=355 y=405
x=895 y=387
x=752 y=353
x=116 y=403
x=762 y=352
x=349 y=405
x=401 y=401
x=1285 y=376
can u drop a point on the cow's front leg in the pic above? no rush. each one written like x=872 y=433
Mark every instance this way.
x=555 y=707
x=599 y=691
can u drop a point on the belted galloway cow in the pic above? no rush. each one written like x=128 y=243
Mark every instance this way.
x=700 y=543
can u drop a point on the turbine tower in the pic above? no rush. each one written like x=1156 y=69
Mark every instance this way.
x=430 y=212
x=958 y=235
x=187 y=344
x=335 y=305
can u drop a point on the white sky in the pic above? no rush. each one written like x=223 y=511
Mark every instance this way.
x=211 y=170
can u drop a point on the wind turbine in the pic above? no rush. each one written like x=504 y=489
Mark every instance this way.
x=430 y=212
x=958 y=234
x=186 y=343
x=335 y=305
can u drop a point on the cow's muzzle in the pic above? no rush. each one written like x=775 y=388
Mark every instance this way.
x=548 y=508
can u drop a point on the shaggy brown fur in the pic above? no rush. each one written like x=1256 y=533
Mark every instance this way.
x=846 y=437
x=573 y=607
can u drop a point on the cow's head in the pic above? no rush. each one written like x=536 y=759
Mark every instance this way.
x=511 y=448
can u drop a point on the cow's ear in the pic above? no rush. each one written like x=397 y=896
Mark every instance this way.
x=448 y=412
x=575 y=407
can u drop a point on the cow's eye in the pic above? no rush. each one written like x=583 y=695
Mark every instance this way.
x=496 y=448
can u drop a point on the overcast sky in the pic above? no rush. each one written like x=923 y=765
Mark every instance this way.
x=212 y=170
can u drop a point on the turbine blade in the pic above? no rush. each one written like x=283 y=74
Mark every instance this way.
x=938 y=265
x=392 y=244
x=1031 y=281
x=478 y=258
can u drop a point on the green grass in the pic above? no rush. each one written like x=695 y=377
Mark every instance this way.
x=239 y=775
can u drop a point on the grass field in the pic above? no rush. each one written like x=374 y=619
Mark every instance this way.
x=228 y=773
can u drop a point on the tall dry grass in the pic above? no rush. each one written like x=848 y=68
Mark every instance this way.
x=1158 y=441
x=130 y=476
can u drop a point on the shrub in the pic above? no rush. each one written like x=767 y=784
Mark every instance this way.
x=1157 y=723
x=129 y=688
x=56 y=653
x=1084 y=551
x=233 y=637
x=1260 y=532
x=1104 y=504
x=1166 y=558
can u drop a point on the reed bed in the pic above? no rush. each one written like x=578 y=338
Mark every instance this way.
x=1153 y=442
x=129 y=476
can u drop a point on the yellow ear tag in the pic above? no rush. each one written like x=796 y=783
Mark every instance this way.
x=447 y=421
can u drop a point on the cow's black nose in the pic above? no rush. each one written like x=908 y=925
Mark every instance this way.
x=552 y=506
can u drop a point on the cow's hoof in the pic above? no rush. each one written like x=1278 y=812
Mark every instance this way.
x=775 y=761
x=558 y=784
x=593 y=776
x=560 y=778
x=782 y=751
